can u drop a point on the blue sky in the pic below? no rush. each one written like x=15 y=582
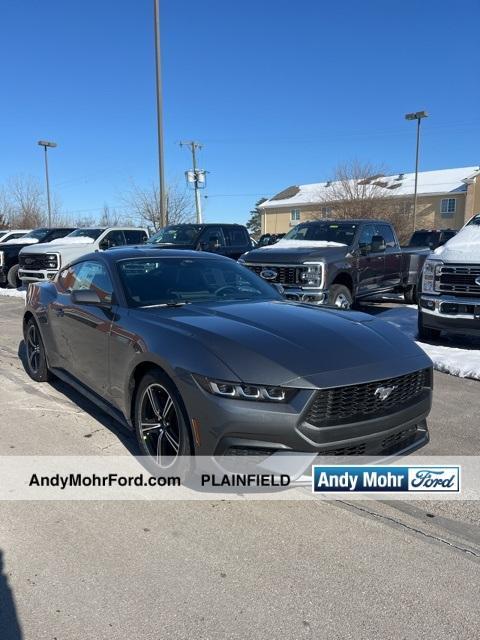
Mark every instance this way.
x=278 y=91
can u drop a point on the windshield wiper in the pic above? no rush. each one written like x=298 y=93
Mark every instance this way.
x=172 y=303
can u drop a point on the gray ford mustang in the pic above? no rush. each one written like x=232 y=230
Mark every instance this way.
x=199 y=355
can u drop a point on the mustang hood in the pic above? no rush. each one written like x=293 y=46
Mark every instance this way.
x=282 y=343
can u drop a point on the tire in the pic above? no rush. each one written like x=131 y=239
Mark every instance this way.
x=426 y=333
x=169 y=422
x=340 y=296
x=411 y=295
x=12 y=277
x=36 y=356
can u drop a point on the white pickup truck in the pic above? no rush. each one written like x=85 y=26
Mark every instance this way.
x=39 y=263
x=450 y=286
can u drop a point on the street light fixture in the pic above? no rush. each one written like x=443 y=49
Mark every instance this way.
x=47 y=144
x=418 y=115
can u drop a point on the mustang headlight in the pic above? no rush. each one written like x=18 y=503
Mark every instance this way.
x=243 y=391
x=431 y=270
x=313 y=275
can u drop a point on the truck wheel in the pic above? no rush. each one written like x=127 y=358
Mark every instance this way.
x=340 y=296
x=426 y=333
x=410 y=295
x=12 y=277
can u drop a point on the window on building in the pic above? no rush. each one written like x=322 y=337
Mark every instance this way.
x=448 y=207
x=326 y=211
x=295 y=215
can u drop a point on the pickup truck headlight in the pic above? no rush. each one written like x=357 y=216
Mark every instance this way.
x=431 y=269
x=243 y=391
x=2 y=259
x=53 y=261
x=313 y=275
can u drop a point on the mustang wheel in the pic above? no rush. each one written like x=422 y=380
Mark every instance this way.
x=160 y=424
x=36 y=358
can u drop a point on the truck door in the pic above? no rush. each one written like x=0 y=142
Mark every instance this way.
x=371 y=263
x=393 y=257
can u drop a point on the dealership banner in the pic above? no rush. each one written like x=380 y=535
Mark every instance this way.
x=278 y=477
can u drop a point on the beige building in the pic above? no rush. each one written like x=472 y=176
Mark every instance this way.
x=446 y=200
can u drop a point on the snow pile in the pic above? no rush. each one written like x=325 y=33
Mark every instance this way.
x=302 y=244
x=22 y=241
x=457 y=361
x=13 y=293
x=464 y=247
x=73 y=240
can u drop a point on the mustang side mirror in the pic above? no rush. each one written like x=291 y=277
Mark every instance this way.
x=378 y=244
x=87 y=296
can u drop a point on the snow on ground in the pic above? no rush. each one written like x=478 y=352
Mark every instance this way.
x=13 y=293
x=457 y=355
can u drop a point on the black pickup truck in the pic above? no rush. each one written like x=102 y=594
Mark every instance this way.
x=338 y=262
x=9 y=251
x=231 y=240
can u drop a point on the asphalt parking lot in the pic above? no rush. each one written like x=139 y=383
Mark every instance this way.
x=151 y=570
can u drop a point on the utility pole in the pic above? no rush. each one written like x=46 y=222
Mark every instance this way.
x=47 y=144
x=418 y=117
x=158 y=76
x=196 y=176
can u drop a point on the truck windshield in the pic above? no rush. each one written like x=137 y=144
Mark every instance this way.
x=176 y=234
x=475 y=220
x=423 y=238
x=342 y=232
x=37 y=234
x=86 y=233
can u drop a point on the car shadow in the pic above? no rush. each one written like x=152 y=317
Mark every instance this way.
x=124 y=435
x=10 y=628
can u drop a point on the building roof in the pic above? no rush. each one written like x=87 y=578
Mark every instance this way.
x=443 y=181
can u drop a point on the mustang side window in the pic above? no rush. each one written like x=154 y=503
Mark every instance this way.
x=87 y=275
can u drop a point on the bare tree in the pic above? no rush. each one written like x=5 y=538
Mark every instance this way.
x=144 y=202
x=26 y=199
x=360 y=190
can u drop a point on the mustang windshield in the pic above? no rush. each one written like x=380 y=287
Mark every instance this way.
x=341 y=232
x=164 y=281
x=176 y=234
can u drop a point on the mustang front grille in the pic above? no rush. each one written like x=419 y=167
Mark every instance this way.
x=342 y=405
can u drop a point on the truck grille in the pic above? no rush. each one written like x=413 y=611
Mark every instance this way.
x=38 y=261
x=459 y=280
x=285 y=274
x=342 y=405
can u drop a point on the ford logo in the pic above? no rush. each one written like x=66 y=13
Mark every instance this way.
x=268 y=274
x=477 y=281
x=382 y=393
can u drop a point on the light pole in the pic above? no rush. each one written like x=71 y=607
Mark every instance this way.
x=158 y=76
x=46 y=144
x=418 y=115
